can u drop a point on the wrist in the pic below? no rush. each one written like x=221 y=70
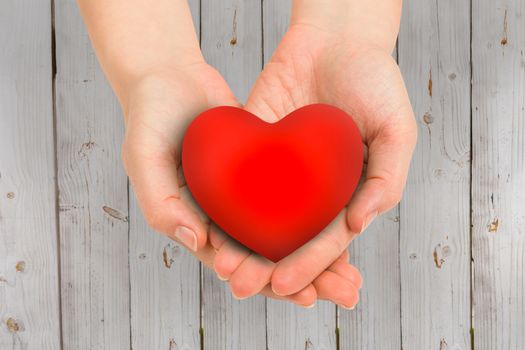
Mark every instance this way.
x=153 y=83
x=135 y=41
x=373 y=23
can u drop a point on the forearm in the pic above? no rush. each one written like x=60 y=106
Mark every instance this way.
x=135 y=37
x=375 y=22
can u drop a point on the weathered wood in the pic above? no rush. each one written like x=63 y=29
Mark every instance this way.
x=375 y=322
x=165 y=295
x=29 y=290
x=290 y=326
x=165 y=282
x=434 y=57
x=231 y=42
x=93 y=195
x=498 y=173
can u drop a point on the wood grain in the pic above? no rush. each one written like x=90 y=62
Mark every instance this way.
x=165 y=293
x=93 y=194
x=165 y=282
x=434 y=58
x=142 y=291
x=498 y=173
x=375 y=322
x=29 y=287
x=231 y=42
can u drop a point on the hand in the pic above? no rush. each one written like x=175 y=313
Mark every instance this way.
x=317 y=65
x=160 y=106
x=162 y=82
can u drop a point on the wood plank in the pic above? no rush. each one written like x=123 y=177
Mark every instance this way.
x=165 y=293
x=290 y=326
x=434 y=57
x=231 y=41
x=498 y=173
x=376 y=321
x=29 y=290
x=165 y=282
x=93 y=194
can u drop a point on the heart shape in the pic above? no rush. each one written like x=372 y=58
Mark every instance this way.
x=272 y=186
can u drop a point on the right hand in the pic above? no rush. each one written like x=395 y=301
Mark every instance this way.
x=160 y=106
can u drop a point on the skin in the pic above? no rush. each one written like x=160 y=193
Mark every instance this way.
x=337 y=54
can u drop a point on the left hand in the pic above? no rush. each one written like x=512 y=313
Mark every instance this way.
x=313 y=65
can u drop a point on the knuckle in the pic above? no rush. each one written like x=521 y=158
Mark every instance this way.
x=335 y=242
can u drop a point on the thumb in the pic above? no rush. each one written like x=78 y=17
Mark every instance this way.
x=389 y=155
x=163 y=198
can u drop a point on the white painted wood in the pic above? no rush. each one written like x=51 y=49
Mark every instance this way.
x=165 y=293
x=93 y=195
x=164 y=307
x=290 y=326
x=498 y=173
x=29 y=290
x=165 y=282
x=293 y=327
x=434 y=247
x=231 y=41
x=375 y=322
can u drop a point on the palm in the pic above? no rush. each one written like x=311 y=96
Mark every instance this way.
x=313 y=66
x=307 y=68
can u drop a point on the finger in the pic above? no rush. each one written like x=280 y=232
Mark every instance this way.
x=331 y=286
x=153 y=173
x=217 y=237
x=348 y=272
x=228 y=258
x=269 y=99
x=344 y=256
x=301 y=267
x=389 y=154
x=251 y=276
x=306 y=297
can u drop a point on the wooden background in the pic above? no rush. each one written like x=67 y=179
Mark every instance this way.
x=80 y=270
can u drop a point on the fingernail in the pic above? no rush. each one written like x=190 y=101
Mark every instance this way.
x=368 y=220
x=221 y=278
x=187 y=237
x=279 y=294
x=238 y=298
x=309 y=306
x=347 y=307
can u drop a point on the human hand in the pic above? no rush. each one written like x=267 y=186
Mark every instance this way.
x=160 y=107
x=162 y=82
x=316 y=64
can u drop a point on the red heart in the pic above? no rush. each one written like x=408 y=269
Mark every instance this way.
x=272 y=187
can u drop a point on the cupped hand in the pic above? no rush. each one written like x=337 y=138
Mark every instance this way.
x=161 y=105
x=314 y=65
